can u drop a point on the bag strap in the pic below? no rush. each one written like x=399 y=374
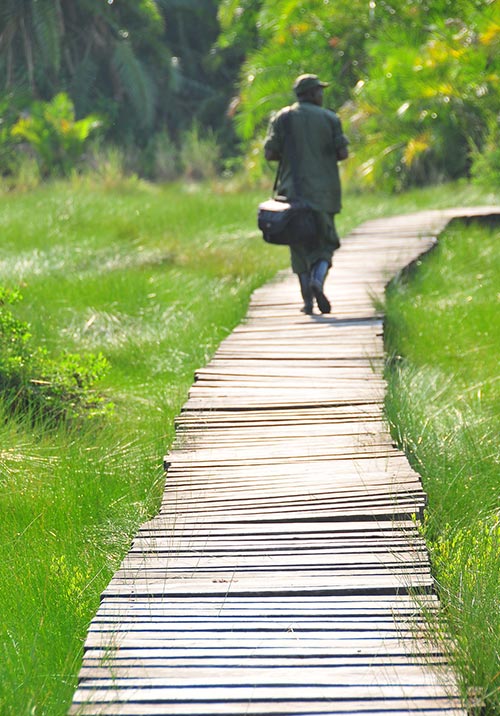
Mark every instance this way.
x=290 y=145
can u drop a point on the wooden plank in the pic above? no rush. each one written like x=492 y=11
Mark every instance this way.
x=365 y=609
x=185 y=481
x=144 y=692
x=348 y=674
x=146 y=621
x=389 y=510
x=276 y=560
x=189 y=651
x=220 y=583
x=185 y=488
x=368 y=681
x=254 y=708
x=163 y=526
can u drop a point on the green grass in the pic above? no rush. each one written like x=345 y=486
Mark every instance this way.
x=443 y=326
x=154 y=277
x=69 y=503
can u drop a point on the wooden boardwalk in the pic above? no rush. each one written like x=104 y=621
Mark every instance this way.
x=285 y=573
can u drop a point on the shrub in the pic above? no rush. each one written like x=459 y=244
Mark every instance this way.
x=199 y=155
x=162 y=158
x=51 y=129
x=107 y=162
x=37 y=383
x=10 y=156
x=486 y=164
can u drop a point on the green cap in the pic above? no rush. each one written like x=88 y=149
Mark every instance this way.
x=304 y=83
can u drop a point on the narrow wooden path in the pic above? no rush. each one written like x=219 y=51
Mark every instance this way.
x=285 y=573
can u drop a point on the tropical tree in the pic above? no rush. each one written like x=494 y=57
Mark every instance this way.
x=295 y=36
x=109 y=56
x=432 y=92
x=239 y=23
x=417 y=82
x=291 y=37
x=29 y=41
x=203 y=75
x=144 y=66
x=118 y=62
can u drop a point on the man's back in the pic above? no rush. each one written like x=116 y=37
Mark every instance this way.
x=318 y=136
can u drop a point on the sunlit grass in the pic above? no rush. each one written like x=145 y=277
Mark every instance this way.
x=155 y=278
x=69 y=503
x=443 y=327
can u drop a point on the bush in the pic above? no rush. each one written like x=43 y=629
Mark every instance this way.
x=57 y=138
x=11 y=159
x=106 y=162
x=162 y=158
x=199 y=156
x=486 y=164
x=37 y=383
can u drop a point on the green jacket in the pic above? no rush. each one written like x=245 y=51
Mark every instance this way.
x=318 y=135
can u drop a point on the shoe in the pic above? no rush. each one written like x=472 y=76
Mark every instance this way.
x=318 y=276
x=307 y=294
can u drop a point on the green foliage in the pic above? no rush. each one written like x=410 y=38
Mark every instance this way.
x=39 y=384
x=199 y=155
x=143 y=67
x=443 y=322
x=51 y=129
x=418 y=84
x=14 y=336
x=141 y=88
x=30 y=42
x=429 y=95
x=296 y=37
x=106 y=163
x=162 y=158
x=108 y=56
x=65 y=387
x=10 y=108
x=201 y=79
x=468 y=562
x=239 y=21
x=486 y=162
x=69 y=500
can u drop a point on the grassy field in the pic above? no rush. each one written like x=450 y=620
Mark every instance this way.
x=443 y=329
x=154 y=277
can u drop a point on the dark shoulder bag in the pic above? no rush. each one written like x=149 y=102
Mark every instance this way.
x=288 y=221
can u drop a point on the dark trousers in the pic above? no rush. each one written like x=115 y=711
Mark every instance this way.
x=303 y=259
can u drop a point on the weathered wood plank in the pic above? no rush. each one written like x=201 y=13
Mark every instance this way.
x=147 y=693
x=450 y=707
x=225 y=584
x=107 y=650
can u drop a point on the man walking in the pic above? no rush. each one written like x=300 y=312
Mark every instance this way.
x=318 y=144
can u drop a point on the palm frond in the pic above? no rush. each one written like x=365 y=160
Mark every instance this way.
x=82 y=84
x=45 y=19
x=137 y=83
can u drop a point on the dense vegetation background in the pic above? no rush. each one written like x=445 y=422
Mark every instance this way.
x=186 y=86
x=114 y=289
